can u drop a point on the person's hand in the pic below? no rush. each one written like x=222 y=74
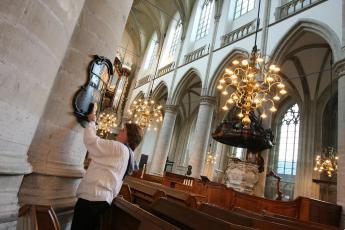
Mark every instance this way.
x=92 y=116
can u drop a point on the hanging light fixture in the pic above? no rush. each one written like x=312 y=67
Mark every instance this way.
x=145 y=112
x=107 y=122
x=251 y=84
x=327 y=160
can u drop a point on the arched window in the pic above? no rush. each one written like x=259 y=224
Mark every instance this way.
x=204 y=20
x=150 y=52
x=243 y=6
x=176 y=38
x=287 y=150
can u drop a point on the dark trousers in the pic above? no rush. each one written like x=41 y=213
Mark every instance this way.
x=87 y=214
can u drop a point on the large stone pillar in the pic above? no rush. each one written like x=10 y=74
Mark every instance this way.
x=340 y=72
x=202 y=133
x=164 y=140
x=33 y=41
x=57 y=150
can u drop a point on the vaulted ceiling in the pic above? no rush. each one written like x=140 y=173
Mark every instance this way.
x=149 y=16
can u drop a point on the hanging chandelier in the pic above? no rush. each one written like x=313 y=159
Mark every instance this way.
x=327 y=162
x=145 y=113
x=107 y=122
x=251 y=84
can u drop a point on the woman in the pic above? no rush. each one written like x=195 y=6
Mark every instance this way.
x=110 y=162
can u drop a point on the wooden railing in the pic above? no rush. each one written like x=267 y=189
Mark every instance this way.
x=166 y=69
x=198 y=53
x=295 y=6
x=143 y=81
x=238 y=33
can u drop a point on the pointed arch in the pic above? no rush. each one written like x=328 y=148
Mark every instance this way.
x=138 y=96
x=161 y=90
x=211 y=88
x=313 y=26
x=183 y=84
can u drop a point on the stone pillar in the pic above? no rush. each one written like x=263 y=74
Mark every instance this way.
x=164 y=140
x=57 y=151
x=33 y=41
x=304 y=185
x=202 y=133
x=340 y=72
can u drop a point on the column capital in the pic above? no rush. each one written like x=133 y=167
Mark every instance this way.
x=339 y=68
x=208 y=100
x=171 y=108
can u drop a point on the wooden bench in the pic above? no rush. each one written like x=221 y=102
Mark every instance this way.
x=246 y=220
x=285 y=220
x=145 y=190
x=37 y=217
x=124 y=215
x=189 y=218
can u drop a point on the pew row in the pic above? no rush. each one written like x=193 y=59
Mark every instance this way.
x=145 y=192
x=124 y=215
x=302 y=208
x=189 y=218
x=264 y=222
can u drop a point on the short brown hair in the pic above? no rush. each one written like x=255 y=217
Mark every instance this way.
x=134 y=135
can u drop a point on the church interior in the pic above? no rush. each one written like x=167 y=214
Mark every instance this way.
x=241 y=103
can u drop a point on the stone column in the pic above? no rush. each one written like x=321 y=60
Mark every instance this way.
x=202 y=133
x=57 y=151
x=304 y=185
x=164 y=140
x=340 y=73
x=33 y=41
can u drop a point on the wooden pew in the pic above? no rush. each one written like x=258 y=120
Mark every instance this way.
x=250 y=219
x=188 y=218
x=124 y=215
x=145 y=190
x=302 y=208
x=37 y=217
x=285 y=220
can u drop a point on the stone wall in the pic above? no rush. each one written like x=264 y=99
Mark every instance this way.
x=44 y=52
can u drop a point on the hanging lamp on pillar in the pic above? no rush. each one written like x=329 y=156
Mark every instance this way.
x=327 y=160
x=252 y=84
x=146 y=112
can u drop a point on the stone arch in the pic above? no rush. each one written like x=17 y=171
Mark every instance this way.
x=312 y=26
x=211 y=87
x=160 y=93
x=183 y=84
x=139 y=95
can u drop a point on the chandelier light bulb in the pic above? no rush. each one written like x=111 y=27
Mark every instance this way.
x=276 y=98
x=235 y=62
x=219 y=87
x=273 y=109
x=222 y=81
x=283 y=91
x=228 y=71
x=225 y=92
x=244 y=62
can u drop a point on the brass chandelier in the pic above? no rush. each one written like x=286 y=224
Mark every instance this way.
x=252 y=84
x=107 y=122
x=326 y=162
x=145 y=112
